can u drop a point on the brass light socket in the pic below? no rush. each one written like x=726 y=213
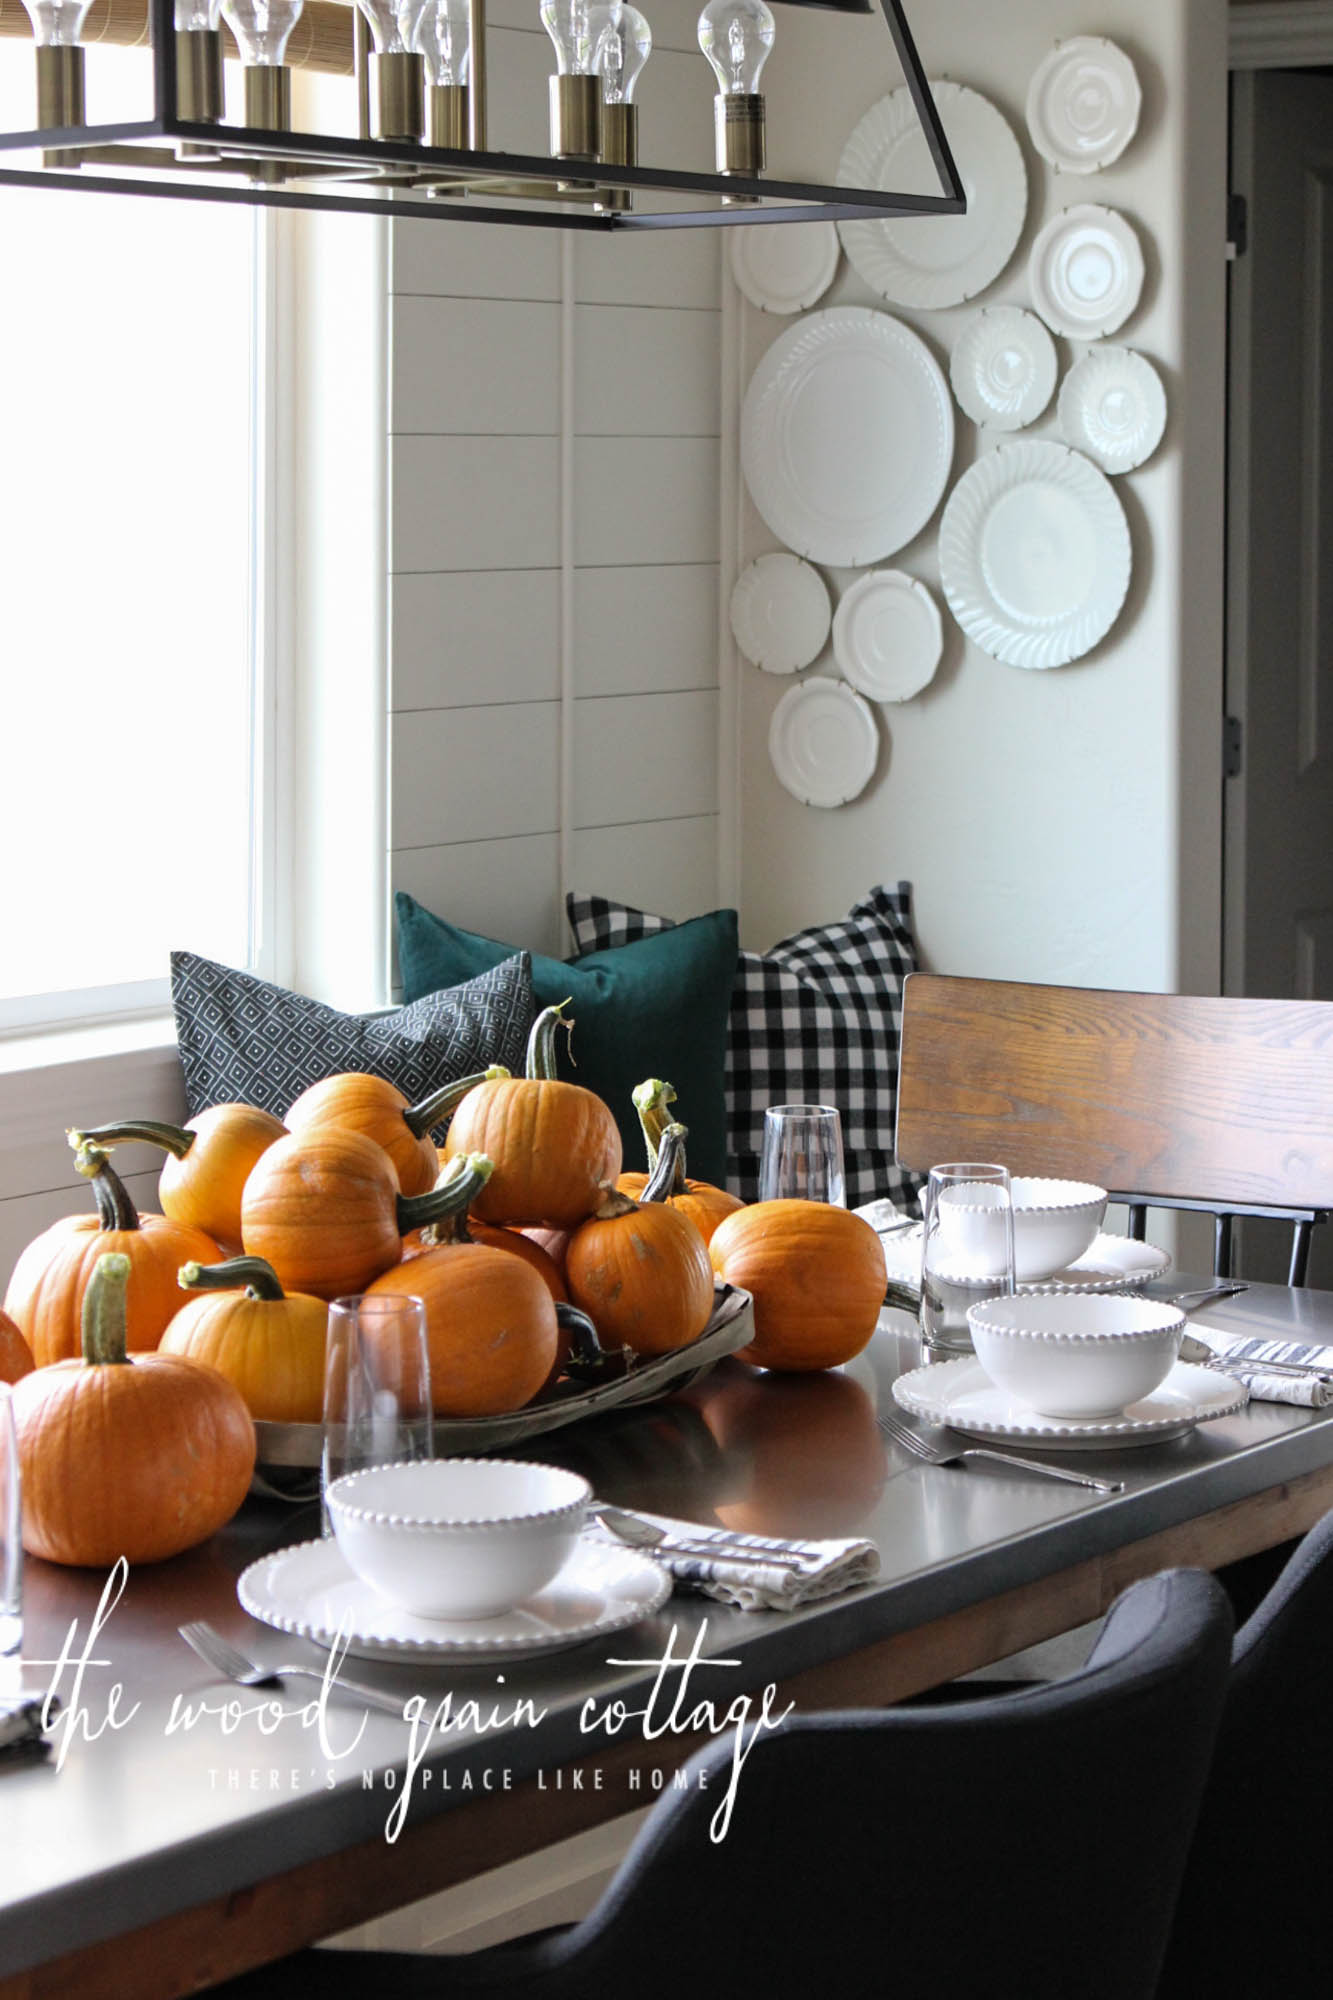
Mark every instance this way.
x=399 y=96
x=268 y=97
x=620 y=135
x=199 y=89
x=738 y=128
x=576 y=117
x=447 y=108
x=59 y=87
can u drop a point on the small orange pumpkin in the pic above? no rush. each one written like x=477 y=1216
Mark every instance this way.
x=379 y=1111
x=208 y=1162
x=703 y=1203
x=269 y=1344
x=816 y=1274
x=140 y=1456
x=45 y=1296
x=640 y=1269
x=15 y=1353
x=555 y=1145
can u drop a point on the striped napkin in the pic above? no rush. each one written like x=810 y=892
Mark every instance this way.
x=744 y=1572
x=21 y=1721
x=1311 y=1388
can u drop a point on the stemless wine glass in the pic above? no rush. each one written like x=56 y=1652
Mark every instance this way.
x=11 y=1530
x=377 y=1399
x=967 y=1249
x=802 y=1156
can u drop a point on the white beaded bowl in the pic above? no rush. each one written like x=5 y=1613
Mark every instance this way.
x=1076 y=1354
x=1055 y=1222
x=458 y=1537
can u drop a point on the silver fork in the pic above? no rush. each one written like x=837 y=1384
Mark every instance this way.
x=954 y=1453
x=225 y=1659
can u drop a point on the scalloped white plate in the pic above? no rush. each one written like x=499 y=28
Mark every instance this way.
x=310 y=1592
x=928 y=261
x=888 y=635
x=962 y=1395
x=1003 y=368
x=1034 y=554
x=1083 y=104
x=847 y=436
x=1113 y=1264
x=824 y=742
x=1113 y=407
x=1085 y=271
x=783 y=267
x=780 y=613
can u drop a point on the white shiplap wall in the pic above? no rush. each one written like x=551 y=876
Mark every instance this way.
x=553 y=587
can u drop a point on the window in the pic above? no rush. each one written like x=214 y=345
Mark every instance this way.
x=129 y=697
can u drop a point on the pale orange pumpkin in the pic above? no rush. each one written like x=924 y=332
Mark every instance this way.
x=208 y=1162
x=816 y=1274
x=15 y=1353
x=379 y=1111
x=45 y=1296
x=140 y=1455
x=555 y=1145
x=269 y=1344
x=640 y=1269
x=703 y=1203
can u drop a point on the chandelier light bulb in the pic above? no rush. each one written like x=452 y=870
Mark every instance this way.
x=736 y=36
x=575 y=28
x=57 y=24
x=441 y=35
x=56 y=28
x=262 y=29
x=624 y=44
x=570 y=24
x=388 y=25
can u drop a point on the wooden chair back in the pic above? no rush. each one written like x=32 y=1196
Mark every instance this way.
x=1164 y=1099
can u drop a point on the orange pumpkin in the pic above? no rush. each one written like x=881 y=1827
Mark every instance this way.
x=555 y=1242
x=462 y=1228
x=324 y=1209
x=816 y=1274
x=15 y=1353
x=207 y=1165
x=269 y=1344
x=379 y=1111
x=704 y=1204
x=555 y=1145
x=140 y=1456
x=640 y=1270
x=45 y=1296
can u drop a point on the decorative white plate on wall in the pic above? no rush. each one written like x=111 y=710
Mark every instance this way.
x=1083 y=104
x=847 y=436
x=780 y=613
x=783 y=267
x=888 y=635
x=1003 y=368
x=1113 y=406
x=962 y=1395
x=1034 y=554
x=1086 y=271
x=824 y=743
x=929 y=261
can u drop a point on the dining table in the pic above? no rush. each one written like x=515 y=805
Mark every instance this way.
x=189 y=1829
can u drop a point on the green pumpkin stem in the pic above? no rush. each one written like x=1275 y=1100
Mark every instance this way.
x=103 y=1319
x=651 y=1098
x=668 y=1176
x=259 y=1278
x=173 y=1139
x=440 y=1106
x=541 y=1042
x=115 y=1210
x=454 y=1192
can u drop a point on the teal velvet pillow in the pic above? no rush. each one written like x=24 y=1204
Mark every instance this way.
x=658 y=1007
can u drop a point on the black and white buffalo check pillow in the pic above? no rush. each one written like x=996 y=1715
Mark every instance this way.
x=816 y=1020
x=243 y=1040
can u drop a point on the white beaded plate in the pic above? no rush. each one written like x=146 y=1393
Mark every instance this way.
x=961 y=1395
x=1113 y=407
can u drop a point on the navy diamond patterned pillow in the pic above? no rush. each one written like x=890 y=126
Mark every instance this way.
x=243 y=1040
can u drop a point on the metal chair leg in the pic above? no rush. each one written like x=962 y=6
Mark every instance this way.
x=1222 y=1246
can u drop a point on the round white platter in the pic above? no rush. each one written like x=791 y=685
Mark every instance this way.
x=1085 y=271
x=780 y=613
x=1083 y=104
x=310 y=1591
x=931 y=261
x=1034 y=554
x=783 y=267
x=824 y=742
x=962 y=1395
x=1113 y=1264
x=1113 y=406
x=887 y=635
x=847 y=436
x=1003 y=368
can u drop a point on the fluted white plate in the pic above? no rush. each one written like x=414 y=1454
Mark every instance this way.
x=783 y=267
x=887 y=635
x=961 y=1394
x=1003 y=368
x=780 y=613
x=941 y=260
x=1083 y=104
x=847 y=436
x=824 y=742
x=1034 y=554
x=1085 y=271
x=1113 y=407
x=310 y=1591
